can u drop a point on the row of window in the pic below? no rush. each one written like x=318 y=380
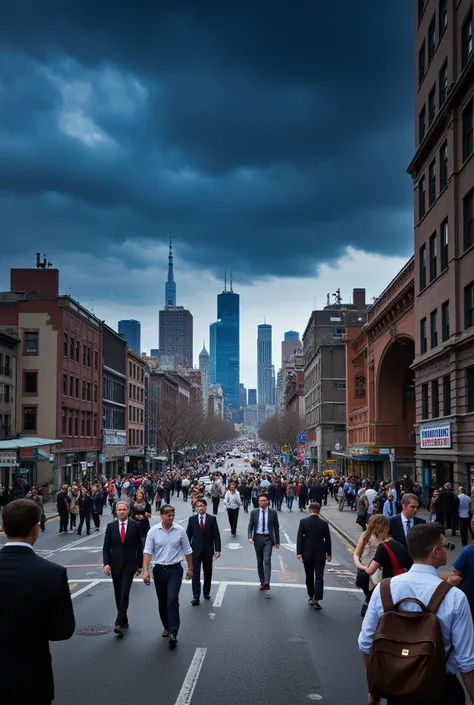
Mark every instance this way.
x=72 y=350
x=135 y=414
x=467 y=219
x=81 y=424
x=136 y=393
x=432 y=181
x=114 y=391
x=443 y=407
x=434 y=334
x=72 y=387
x=135 y=437
x=5 y=425
x=136 y=372
x=5 y=365
x=442 y=14
x=438 y=256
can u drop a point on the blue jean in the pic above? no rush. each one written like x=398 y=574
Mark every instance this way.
x=289 y=502
x=167 y=585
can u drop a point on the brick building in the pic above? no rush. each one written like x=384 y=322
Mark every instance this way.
x=58 y=372
x=380 y=399
x=136 y=412
x=443 y=176
x=8 y=382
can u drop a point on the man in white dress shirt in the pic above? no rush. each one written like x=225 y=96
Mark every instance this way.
x=165 y=545
x=264 y=533
x=428 y=546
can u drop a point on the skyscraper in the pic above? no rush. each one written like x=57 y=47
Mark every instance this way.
x=225 y=346
x=292 y=335
x=252 y=397
x=176 y=324
x=242 y=395
x=204 y=365
x=265 y=369
x=131 y=331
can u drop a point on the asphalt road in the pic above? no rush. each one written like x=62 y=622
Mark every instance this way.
x=240 y=648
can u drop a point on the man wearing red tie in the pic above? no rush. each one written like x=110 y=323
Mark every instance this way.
x=205 y=539
x=123 y=556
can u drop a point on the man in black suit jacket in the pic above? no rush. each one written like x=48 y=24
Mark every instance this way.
x=264 y=533
x=36 y=609
x=402 y=523
x=205 y=539
x=313 y=547
x=123 y=556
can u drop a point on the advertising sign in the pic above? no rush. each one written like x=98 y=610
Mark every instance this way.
x=302 y=438
x=8 y=458
x=435 y=435
x=301 y=451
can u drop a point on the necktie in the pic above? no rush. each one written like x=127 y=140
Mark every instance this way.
x=263 y=522
x=408 y=525
x=201 y=521
x=122 y=531
x=391 y=509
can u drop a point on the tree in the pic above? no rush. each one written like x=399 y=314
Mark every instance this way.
x=282 y=430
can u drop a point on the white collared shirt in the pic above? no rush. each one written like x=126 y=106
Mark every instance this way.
x=120 y=522
x=203 y=517
x=19 y=543
x=167 y=547
x=407 y=523
x=260 y=522
x=464 y=506
x=454 y=614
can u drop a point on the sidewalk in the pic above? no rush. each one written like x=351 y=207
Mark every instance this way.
x=344 y=523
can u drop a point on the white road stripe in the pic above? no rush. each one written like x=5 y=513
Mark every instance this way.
x=288 y=540
x=220 y=595
x=282 y=565
x=235 y=583
x=84 y=589
x=187 y=689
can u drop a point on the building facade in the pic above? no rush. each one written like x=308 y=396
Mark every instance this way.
x=176 y=335
x=443 y=175
x=131 y=331
x=58 y=372
x=8 y=382
x=265 y=369
x=324 y=375
x=380 y=391
x=152 y=409
x=135 y=457
x=225 y=347
x=114 y=400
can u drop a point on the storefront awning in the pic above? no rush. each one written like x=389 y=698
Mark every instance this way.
x=19 y=443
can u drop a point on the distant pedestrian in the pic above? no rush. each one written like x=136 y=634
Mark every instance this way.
x=232 y=503
x=166 y=543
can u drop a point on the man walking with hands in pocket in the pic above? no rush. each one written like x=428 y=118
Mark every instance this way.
x=313 y=547
x=264 y=533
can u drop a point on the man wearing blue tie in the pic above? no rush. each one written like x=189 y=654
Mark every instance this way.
x=401 y=524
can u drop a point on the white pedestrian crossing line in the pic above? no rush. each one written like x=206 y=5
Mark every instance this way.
x=220 y=595
x=233 y=583
x=187 y=689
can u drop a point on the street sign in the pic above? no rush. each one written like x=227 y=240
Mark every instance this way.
x=302 y=438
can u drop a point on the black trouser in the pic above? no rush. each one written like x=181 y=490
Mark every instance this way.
x=72 y=521
x=185 y=493
x=87 y=519
x=96 y=519
x=314 y=569
x=215 y=505
x=206 y=562
x=453 y=694
x=63 y=521
x=233 y=515
x=263 y=549
x=167 y=580
x=464 y=529
x=122 y=583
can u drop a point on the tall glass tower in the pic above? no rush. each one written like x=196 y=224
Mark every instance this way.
x=131 y=331
x=265 y=369
x=224 y=337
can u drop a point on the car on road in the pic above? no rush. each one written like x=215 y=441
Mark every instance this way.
x=206 y=482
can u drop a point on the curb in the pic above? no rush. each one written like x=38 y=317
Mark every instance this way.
x=339 y=531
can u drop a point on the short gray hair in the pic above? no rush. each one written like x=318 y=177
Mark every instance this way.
x=410 y=497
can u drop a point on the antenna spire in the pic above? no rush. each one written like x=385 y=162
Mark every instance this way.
x=231 y=290
x=170 y=286
x=225 y=280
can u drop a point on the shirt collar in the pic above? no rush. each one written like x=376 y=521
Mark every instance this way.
x=423 y=568
x=19 y=543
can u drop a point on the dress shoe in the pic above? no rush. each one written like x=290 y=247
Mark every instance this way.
x=261 y=586
x=310 y=601
x=118 y=631
x=195 y=602
x=207 y=597
x=172 y=641
x=165 y=633
x=317 y=606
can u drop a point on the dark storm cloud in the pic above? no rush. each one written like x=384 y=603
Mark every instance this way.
x=266 y=135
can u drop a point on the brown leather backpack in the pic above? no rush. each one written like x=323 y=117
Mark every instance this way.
x=408 y=658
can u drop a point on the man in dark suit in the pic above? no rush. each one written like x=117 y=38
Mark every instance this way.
x=402 y=523
x=36 y=609
x=205 y=539
x=123 y=556
x=313 y=547
x=264 y=533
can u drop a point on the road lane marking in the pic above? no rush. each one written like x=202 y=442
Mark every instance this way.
x=234 y=583
x=288 y=540
x=220 y=595
x=187 y=689
x=282 y=565
x=83 y=565
x=84 y=589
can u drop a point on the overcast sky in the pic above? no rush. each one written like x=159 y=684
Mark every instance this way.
x=271 y=138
